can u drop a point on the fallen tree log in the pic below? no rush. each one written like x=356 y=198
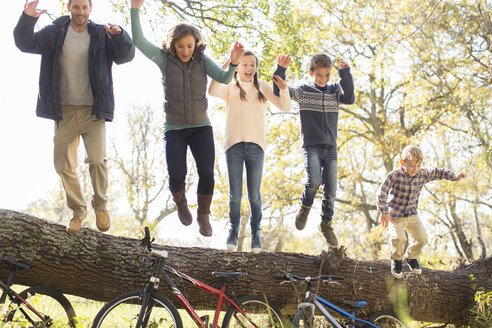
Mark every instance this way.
x=100 y=266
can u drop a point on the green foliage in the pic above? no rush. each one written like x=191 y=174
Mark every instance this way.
x=481 y=313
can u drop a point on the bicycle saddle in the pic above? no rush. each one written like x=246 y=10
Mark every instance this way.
x=231 y=275
x=15 y=264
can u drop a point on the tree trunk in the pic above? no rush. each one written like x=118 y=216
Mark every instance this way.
x=100 y=266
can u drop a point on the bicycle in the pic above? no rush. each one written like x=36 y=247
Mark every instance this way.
x=147 y=308
x=37 y=306
x=307 y=318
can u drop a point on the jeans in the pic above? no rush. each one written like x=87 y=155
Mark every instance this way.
x=321 y=168
x=250 y=155
x=201 y=142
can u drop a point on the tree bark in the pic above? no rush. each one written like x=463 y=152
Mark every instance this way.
x=100 y=266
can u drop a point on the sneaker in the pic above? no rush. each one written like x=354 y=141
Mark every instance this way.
x=102 y=220
x=396 y=267
x=74 y=224
x=414 y=265
x=302 y=216
x=232 y=239
x=256 y=241
x=329 y=234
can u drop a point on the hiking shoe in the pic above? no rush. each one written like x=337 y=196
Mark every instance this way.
x=329 y=234
x=302 y=216
x=102 y=220
x=232 y=239
x=414 y=265
x=74 y=224
x=256 y=241
x=396 y=267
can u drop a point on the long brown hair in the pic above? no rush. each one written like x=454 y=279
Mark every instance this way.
x=177 y=32
x=242 y=93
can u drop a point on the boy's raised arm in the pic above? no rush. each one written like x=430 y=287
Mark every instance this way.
x=347 y=83
x=283 y=62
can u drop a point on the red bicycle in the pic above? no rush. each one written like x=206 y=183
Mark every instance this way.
x=147 y=308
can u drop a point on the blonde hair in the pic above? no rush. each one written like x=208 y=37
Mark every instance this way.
x=177 y=32
x=412 y=153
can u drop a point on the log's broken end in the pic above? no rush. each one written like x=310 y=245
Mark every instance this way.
x=330 y=260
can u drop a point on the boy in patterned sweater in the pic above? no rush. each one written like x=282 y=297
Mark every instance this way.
x=318 y=110
x=397 y=200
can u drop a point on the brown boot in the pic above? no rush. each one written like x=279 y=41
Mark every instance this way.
x=204 y=202
x=184 y=213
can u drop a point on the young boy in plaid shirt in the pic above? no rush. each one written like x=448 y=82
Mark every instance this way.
x=397 y=200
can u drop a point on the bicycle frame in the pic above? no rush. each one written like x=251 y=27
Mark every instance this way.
x=166 y=270
x=7 y=291
x=319 y=302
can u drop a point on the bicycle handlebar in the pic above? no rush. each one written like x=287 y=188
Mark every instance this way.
x=292 y=277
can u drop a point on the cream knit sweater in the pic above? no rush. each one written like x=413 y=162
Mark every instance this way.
x=246 y=119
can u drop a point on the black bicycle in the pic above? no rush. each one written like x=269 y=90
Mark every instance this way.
x=35 y=307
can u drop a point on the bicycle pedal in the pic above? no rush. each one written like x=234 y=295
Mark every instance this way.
x=205 y=319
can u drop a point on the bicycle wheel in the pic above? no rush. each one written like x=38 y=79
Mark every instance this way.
x=319 y=321
x=258 y=309
x=46 y=301
x=386 y=320
x=122 y=312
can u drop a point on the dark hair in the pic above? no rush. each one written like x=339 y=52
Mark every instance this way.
x=177 y=32
x=320 y=60
x=70 y=2
x=242 y=93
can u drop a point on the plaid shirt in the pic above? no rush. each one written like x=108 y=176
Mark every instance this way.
x=404 y=190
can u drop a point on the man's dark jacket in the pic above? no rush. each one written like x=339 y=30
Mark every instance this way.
x=104 y=49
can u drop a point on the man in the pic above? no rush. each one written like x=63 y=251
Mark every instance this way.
x=76 y=90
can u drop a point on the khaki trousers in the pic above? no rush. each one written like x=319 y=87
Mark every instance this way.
x=418 y=237
x=78 y=121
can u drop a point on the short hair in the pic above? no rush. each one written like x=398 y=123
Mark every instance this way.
x=177 y=32
x=412 y=153
x=70 y=2
x=320 y=60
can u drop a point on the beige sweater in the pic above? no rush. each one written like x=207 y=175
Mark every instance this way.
x=246 y=119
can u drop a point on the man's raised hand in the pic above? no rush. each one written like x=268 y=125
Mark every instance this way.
x=31 y=9
x=113 y=29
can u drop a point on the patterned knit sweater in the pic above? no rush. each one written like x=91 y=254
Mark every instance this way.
x=319 y=107
x=246 y=119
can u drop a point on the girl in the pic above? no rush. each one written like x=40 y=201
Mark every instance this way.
x=246 y=99
x=184 y=69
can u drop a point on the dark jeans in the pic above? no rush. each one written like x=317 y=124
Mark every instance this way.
x=239 y=156
x=201 y=143
x=321 y=168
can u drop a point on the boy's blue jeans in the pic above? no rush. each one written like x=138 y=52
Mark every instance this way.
x=251 y=156
x=321 y=168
